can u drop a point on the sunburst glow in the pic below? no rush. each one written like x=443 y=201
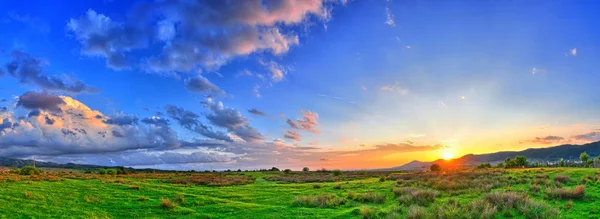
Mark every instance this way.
x=447 y=155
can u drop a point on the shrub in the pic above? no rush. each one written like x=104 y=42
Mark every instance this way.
x=317 y=186
x=482 y=209
x=119 y=180
x=134 y=187
x=484 y=166
x=535 y=188
x=367 y=197
x=561 y=179
x=569 y=205
x=337 y=186
x=167 y=204
x=27 y=194
x=532 y=209
x=416 y=212
x=382 y=179
x=563 y=193
x=305 y=169
x=409 y=195
x=29 y=170
x=336 y=173
x=180 y=199
x=92 y=199
x=143 y=198
x=287 y=171
x=318 y=201
x=503 y=200
x=435 y=167
x=367 y=212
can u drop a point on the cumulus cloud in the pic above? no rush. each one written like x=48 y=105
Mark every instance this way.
x=28 y=69
x=75 y=130
x=195 y=34
x=201 y=84
x=573 y=52
x=257 y=112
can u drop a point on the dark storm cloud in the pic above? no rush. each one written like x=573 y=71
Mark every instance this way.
x=49 y=121
x=28 y=69
x=41 y=101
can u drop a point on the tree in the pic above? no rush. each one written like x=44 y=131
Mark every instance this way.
x=435 y=167
x=275 y=169
x=121 y=170
x=287 y=171
x=484 y=166
x=305 y=169
x=584 y=157
x=597 y=162
x=561 y=162
x=521 y=161
x=500 y=165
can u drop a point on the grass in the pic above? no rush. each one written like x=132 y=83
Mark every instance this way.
x=490 y=193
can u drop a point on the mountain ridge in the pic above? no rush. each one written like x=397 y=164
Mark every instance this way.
x=554 y=153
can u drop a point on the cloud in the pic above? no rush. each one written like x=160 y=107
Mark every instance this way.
x=293 y=124
x=573 y=52
x=190 y=121
x=41 y=101
x=257 y=112
x=292 y=135
x=121 y=120
x=308 y=121
x=277 y=71
x=389 y=17
x=61 y=125
x=201 y=84
x=28 y=69
x=195 y=34
x=232 y=120
x=589 y=137
x=551 y=139
x=394 y=88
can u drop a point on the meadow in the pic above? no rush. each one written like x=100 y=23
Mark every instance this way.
x=467 y=193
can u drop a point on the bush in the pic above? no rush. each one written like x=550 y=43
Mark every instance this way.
x=337 y=186
x=305 y=169
x=134 y=187
x=287 y=171
x=416 y=212
x=563 y=193
x=337 y=173
x=367 y=212
x=143 y=198
x=317 y=186
x=409 y=195
x=367 y=197
x=561 y=179
x=167 y=204
x=318 y=201
x=29 y=170
x=435 y=167
x=484 y=166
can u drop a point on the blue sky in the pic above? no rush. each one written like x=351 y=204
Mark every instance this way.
x=363 y=83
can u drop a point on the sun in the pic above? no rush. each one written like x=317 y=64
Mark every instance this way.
x=447 y=155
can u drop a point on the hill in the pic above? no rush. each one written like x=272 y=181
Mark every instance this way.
x=555 y=153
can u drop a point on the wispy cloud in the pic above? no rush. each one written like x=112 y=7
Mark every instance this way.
x=389 y=17
x=394 y=88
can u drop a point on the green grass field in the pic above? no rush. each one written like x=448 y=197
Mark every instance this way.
x=493 y=193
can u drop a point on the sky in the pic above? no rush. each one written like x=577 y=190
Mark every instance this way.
x=323 y=84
